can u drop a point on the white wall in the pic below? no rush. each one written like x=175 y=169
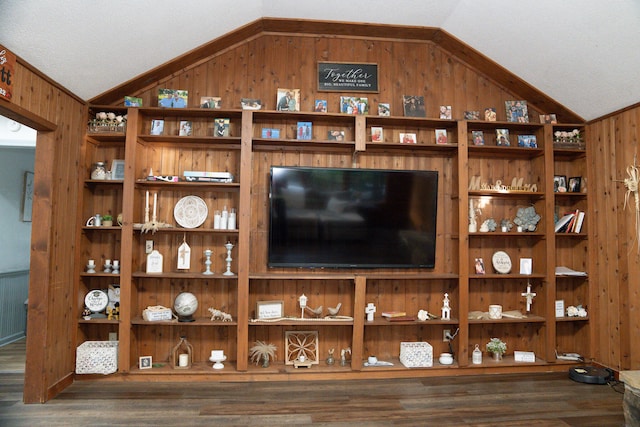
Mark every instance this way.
x=16 y=234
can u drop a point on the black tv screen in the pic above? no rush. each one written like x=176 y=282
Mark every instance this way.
x=352 y=218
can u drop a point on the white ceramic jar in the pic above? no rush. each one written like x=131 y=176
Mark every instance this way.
x=446 y=359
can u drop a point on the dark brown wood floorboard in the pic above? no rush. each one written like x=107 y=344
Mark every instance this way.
x=513 y=400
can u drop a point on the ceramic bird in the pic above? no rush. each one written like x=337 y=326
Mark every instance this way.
x=315 y=311
x=334 y=311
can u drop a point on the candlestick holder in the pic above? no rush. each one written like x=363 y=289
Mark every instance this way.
x=107 y=266
x=115 y=267
x=207 y=263
x=229 y=246
x=91 y=267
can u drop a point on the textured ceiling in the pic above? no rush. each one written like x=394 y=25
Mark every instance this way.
x=582 y=53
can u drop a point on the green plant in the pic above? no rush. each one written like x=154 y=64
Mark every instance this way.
x=496 y=345
x=107 y=217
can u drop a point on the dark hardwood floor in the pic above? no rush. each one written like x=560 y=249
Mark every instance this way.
x=490 y=400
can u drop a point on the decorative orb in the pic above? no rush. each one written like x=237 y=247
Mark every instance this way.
x=185 y=305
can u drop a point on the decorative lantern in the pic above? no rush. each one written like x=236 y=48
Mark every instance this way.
x=182 y=354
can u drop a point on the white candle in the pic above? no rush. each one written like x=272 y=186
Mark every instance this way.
x=116 y=262
x=183 y=361
x=155 y=200
x=92 y=262
x=108 y=262
x=146 y=201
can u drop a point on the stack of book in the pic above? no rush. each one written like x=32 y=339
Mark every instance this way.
x=571 y=222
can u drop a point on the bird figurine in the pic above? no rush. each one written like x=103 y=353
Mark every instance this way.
x=315 y=311
x=334 y=311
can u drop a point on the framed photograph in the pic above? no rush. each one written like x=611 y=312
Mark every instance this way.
x=157 y=127
x=502 y=137
x=478 y=137
x=305 y=130
x=117 y=169
x=335 y=135
x=354 y=105
x=472 y=115
x=320 y=106
x=527 y=141
x=221 y=127
x=517 y=111
x=445 y=112
x=377 y=134
x=145 y=362
x=413 y=106
x=490 y=114
x=441 y=136
x=548 y=118
x=169 y=98
x=270 y=133
x=559 y=184
x=27 y=197
x=560 y=308
x=212 y=102
x=132 y=101
x=526 y=266
x=480 y=266
x=269 y=309
x=384 y=109
x=574 y=184
x=185 y=128
x=250 y=104
x=408 y=138
x=288 y=99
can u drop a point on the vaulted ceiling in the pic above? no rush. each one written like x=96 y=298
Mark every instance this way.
x=581 y=53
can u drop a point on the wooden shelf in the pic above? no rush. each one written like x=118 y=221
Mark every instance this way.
x=181 y=275
x=202 y=321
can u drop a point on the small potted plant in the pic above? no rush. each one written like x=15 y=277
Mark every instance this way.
x=262 y=352
x=497 y=348
x=107 y=220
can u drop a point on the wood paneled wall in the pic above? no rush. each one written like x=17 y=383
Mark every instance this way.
x=614 y=141
x=59 y=117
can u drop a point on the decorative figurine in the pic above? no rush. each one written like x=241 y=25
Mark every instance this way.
x=219 y=315
x=529 y=296
x=184 y=255
x=303 y=304
x=330 y=359
x=370 y=309
x=446 y=310
x=343 y=356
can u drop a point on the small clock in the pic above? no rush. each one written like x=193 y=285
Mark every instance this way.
x=96 y=301
x=501 y=262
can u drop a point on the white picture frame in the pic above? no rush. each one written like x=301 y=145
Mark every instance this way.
x=145 y=362
x=560 y=308
x=526 y=266
x=269 y=309
x=117 y=170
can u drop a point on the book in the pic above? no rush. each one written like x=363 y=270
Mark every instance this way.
x=377 y=134
x=413 y=106
x=441 y=136
x=221 y=127
x=579 y=222
x=157 y=127
x=502 y=137
x=478 y=137
x=170 y=98
x=561 y=224
x=394 y=314
x=384 y=109
x=212 y=102
x=288 y=99
x=185 y=128
x=517 y=111
x=132 y=101
x=304 y=130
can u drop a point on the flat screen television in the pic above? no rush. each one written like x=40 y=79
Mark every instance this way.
x=352 y=218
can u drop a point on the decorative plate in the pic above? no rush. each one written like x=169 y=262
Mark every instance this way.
x=501 y=262
x=190 y=212
x=96 y=301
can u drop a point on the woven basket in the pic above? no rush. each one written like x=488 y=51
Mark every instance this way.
x=97 y=357
x=416 y=354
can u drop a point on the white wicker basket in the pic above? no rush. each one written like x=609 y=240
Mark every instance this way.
x=97 y=357
x=416 y=354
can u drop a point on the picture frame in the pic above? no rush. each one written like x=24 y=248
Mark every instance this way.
x=354 y=105
x=287 y=99
x=574 y=184
x=559 y=183
x=502 y=137
x=117 y=169
x=347 y=77
x=526 y=266
x=479 y=266
x=408 y=138
x=478 y=137
x=384 y=109
x=517 y=111
x=445 y=112
x=413 y=106
x=145 y=362
x=320 y=106
x=441 y=136
x=304 y=131
x=335 y=135
x=269 y=309
x=27 y=197
x=211 y=102
x=377 y=134
x=548 y=118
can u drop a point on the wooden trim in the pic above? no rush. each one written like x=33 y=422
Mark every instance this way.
x=26 y=117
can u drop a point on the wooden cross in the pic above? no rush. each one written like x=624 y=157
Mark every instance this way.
x=529 y=296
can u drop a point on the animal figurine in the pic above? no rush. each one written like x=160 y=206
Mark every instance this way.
x=220 y=315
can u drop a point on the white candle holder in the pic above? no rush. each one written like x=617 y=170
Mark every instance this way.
x=107 y=266
x=228 y=246
x=217 y=357
x=207 y=263
x=115 y=268
x=91 y=266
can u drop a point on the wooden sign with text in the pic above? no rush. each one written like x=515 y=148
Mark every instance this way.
x=7 y=67
x=345 y=77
